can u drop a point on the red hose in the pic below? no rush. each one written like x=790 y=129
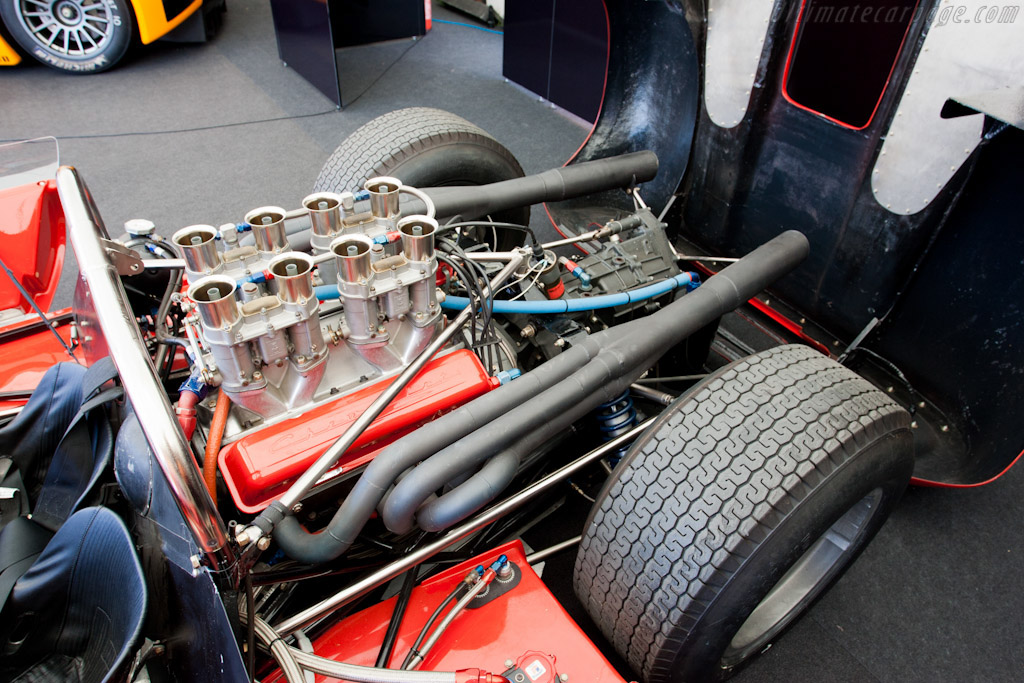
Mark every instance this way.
x=220 y=420
x=186 y=411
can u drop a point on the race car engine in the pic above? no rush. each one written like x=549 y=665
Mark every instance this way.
x=301 y=343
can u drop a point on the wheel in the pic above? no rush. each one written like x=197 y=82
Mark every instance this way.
x=741 y=504
x=76 y=36
x=424 y=147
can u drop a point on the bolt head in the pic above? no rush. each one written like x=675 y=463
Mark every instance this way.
x=509 y=663
x=263 y=543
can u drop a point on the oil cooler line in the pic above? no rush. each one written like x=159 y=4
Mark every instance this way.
x=498 y=429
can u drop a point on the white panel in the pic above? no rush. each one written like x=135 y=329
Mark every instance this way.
x=964 y=53
x=735 y=37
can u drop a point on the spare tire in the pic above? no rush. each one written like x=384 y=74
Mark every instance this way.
x=743 y=502
x=424 y=147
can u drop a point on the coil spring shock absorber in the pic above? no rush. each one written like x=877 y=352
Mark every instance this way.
x=616 y=417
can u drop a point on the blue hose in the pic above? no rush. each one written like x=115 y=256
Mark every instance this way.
x=590 y=303
x=327 y=292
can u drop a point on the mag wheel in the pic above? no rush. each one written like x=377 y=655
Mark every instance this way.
x=737 y=509
x=76 y=36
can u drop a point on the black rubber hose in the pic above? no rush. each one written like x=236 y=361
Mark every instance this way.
x=388 y=646
x=414 y=650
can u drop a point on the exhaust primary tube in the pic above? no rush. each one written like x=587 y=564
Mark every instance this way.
x=623 y=352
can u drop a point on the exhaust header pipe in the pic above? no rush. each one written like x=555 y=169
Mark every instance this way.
x=472 y=202
x=555 y=185
x=527 y=411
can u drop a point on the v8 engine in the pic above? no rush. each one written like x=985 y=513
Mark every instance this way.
x=300 y=343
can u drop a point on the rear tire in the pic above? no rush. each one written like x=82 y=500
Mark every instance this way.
x=424 y=147
x=737 y=509
x=74 y=36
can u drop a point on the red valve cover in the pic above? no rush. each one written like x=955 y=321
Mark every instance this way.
x=260 y=466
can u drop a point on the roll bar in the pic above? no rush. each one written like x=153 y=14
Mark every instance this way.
x=138 y=376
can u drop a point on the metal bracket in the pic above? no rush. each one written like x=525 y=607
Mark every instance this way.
x=124 y=260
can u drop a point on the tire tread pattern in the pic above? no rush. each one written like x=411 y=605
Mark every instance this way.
x=385 y=142
x=693 y=500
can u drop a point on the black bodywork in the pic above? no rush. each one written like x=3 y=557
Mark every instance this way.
x=925 y=305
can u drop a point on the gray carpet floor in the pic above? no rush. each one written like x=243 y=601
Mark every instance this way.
x=938 y=595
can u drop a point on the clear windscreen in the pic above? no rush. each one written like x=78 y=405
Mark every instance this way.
x=28 y=161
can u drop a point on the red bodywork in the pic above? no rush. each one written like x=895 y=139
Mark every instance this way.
x=33 y=243
x=525 y=625
x=258 y=467
x=29 y=349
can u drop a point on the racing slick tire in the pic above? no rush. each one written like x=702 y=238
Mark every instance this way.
x=740 y=505
x=74 y=36
x=424 y=147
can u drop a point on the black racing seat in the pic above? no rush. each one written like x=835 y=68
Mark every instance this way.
x=53 y=456
x=77 y=613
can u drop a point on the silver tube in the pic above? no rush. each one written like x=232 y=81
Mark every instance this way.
x=582 y=237
x=544 y=554
x=418 y=237
x=280 y=650
x=383 y=196
x=163 y=263
x=353 y=256
x=490 y=255
x=366 y=674
x=198 y=246
x=268 y=228
x=314 y=613
x=324 y=213
x=438 y=631
x=215 y=298
x=138 y=376
x=326 y=461
x=293 y=273
x=662 y=397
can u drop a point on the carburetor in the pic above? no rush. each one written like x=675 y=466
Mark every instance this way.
x=262 y=341
x=268 y=342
